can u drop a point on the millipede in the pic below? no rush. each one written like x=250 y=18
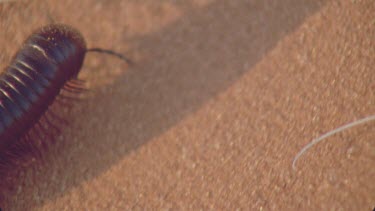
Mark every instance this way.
x=48 y=63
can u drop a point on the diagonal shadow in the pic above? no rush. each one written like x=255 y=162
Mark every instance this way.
x=184 y=66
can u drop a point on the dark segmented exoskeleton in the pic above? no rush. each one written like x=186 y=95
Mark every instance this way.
x=48 y=62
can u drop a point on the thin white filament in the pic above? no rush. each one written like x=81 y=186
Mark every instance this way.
x=337 y=130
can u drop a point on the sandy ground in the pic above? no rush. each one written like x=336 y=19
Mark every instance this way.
x=222 y=96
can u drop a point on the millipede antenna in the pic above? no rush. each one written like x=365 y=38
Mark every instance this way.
x=113 y=53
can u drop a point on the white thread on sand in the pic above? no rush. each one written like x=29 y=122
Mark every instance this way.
x=330 y=133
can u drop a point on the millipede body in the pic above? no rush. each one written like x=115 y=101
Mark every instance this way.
x=48 y=61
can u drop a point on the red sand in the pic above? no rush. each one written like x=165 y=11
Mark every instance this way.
x=222 y=97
